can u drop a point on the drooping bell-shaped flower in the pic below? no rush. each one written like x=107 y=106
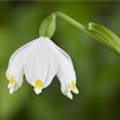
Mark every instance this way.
x=40 y=60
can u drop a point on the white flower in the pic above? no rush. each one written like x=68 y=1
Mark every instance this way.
x=40 y=60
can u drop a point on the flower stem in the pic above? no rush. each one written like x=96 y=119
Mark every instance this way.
x=80 y=26
x=99 y=32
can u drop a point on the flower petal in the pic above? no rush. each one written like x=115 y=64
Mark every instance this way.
x=66 y=74
x=15 y=71
x=41 y=66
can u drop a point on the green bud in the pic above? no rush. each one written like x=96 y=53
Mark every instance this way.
x=48 y=26
x=107 y=37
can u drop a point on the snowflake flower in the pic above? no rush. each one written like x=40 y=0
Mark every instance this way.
x=40 y=60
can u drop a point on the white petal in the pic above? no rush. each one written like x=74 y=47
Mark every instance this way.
x=11 y=90
x=75 y=90
x=66 y=73
x=15 y=67
x=69 y=95
x=42 y=64
x=10 y=85
x=37 y=90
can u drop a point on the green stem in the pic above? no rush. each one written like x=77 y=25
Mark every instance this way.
x=108 y=43
x=71 y=21
x=79 y=26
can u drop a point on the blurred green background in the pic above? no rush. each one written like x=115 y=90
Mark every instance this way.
x=97 y=68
